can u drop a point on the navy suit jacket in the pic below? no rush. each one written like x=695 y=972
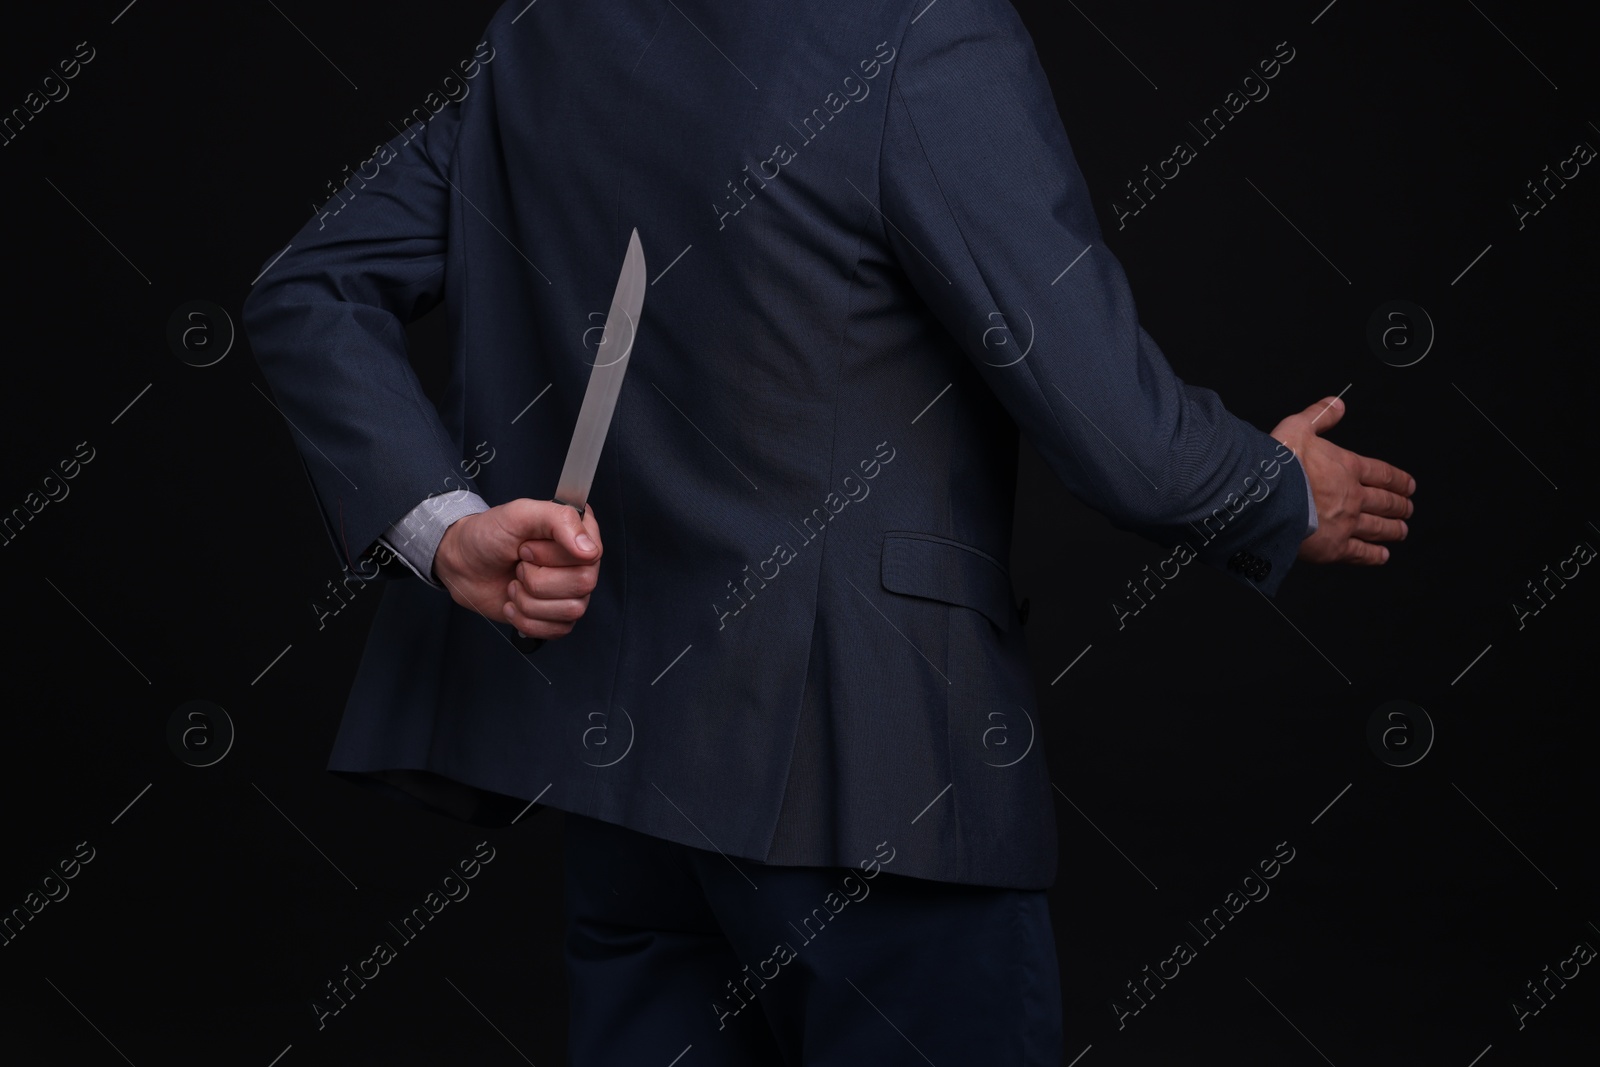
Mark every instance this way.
x=873 y=261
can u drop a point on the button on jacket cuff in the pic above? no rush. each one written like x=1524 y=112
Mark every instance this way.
x=415 y=538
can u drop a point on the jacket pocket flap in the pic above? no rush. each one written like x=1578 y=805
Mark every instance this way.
x=925 y=565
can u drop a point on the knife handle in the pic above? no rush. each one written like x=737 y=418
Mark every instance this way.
x=577 y=507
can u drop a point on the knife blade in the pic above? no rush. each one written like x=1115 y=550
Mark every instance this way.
x=600 y=397
x=605 y=381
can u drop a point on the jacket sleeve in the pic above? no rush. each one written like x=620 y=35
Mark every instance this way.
x=986 y=210
x=326 y=323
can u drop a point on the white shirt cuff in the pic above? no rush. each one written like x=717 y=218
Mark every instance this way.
x=415 y=538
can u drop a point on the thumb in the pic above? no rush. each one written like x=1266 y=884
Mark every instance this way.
x=545 y=520
x=1324 y=414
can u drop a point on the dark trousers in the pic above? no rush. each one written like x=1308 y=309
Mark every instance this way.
x=682 y=957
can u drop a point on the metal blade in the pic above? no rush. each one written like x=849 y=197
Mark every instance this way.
x=605 y=381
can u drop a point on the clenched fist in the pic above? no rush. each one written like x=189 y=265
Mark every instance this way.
x=532 y=563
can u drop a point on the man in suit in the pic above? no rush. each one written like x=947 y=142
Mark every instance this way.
x=873 y=262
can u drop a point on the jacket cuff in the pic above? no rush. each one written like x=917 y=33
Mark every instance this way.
x=1265 y=559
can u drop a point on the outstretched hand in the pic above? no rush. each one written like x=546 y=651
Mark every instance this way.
x=1360 y=500
x=532 y=563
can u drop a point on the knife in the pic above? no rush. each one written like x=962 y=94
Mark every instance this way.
x=600 y=398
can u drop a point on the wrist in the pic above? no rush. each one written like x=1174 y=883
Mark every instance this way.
x=446 y=556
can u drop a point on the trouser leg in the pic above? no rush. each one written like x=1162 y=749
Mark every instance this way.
x=889 y=970
x=644 y=954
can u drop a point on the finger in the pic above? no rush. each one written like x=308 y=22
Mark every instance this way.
x=531 y=627
x=551 y=554
x=1325 y=414
x=1363 y=554
x=1376 y=472
x=1376 y=528
x=544 y=554
x=1389 y=505
x=545 y=520
x=565 y=610
x=556 y=583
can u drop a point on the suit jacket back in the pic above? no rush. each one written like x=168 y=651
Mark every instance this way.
x=873 y=259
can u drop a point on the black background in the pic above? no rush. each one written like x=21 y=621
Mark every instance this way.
x=1185 y=745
